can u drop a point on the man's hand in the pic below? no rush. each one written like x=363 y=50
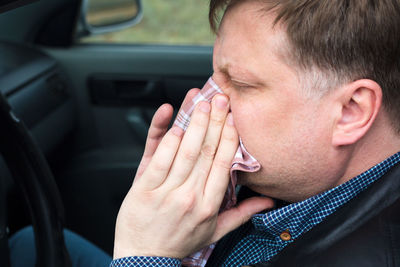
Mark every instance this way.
x=172 y=207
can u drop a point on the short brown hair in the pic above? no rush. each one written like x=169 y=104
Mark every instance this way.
x=353 y=39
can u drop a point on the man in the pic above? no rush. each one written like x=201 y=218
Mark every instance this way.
x=313 y=87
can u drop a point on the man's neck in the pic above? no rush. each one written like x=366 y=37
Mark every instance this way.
x=379 y=143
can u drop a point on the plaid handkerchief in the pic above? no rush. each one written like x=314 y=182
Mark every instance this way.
x=242 y=161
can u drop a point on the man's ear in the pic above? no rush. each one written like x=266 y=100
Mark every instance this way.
x=359 y=102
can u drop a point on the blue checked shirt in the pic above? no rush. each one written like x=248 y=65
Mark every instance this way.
x=278 y=228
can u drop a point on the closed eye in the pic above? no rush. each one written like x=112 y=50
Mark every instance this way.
x=241 y=86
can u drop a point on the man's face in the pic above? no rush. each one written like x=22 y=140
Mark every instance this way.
x=288 y=132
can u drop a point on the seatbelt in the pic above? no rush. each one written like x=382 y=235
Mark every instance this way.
x=32 y=174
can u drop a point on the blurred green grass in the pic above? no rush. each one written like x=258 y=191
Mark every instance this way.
x=182 y=22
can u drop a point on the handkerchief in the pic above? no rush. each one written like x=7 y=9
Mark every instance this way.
x=242 y=161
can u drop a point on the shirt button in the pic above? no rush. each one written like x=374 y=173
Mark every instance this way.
x=285 y=235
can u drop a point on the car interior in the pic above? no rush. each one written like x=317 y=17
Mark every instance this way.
x=75 y=118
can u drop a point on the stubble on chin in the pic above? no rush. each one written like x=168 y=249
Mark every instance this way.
x=241 y=178
x=254 y=181
x=247 y=179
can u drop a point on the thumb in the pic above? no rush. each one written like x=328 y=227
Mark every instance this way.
x=233 y=218
x=158 y=128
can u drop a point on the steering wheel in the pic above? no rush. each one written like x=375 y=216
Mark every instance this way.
x=32 y=174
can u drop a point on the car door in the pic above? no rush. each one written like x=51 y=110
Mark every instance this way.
x=117 y=87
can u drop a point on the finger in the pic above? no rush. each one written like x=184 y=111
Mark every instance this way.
x=218 y=179
x=160 y=122
x=157 y=130
x=235 y=217
x=190 y=146
x=219 y=111
x=161 y=162
x=189 y=97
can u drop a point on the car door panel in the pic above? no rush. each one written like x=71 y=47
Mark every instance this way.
x=117 y=90
x=93 y=129
x=171 y=70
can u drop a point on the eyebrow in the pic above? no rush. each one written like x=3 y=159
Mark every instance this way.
x=225 y=70
x=246 y=75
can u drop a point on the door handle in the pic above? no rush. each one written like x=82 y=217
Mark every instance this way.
x=137 y=92
x=134 y=89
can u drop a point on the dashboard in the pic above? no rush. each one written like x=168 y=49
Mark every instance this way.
x=38 y=92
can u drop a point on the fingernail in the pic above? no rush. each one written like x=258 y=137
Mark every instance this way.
x=230 y=120
x=205 y=107
x=221 y=102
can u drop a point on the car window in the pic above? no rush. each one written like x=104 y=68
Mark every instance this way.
x=177 y=22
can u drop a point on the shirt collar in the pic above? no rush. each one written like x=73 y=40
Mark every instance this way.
x=300 y=217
